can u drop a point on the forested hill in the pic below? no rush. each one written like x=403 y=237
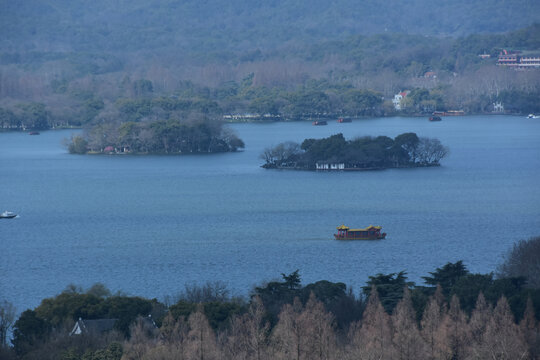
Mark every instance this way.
x=195 y=25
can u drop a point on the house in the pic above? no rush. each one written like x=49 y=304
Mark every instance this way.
x=515 y=60
x=397 y=99
x=498 y=107
x=96 y=326
x=323 y=166
x=430 y=75
x=99 y=326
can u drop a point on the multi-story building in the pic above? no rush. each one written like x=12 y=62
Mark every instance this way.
x=517 y=61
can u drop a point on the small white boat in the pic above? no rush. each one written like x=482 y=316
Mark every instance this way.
x=532 y=116
x=7 y=215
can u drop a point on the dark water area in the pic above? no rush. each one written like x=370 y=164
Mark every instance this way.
x=148 y=225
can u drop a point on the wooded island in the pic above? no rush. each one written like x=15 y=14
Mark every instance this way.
x=158 y=137
x=362 y=153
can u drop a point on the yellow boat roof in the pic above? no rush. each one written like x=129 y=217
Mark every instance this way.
x=343 y=227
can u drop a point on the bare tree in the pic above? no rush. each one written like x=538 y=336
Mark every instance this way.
x=7 y=318
x=288 y=334
x=432 y=321
x=173 y=336
x=201 y=340
x=530 y=330
x=503 y=338
x=407 y=341
x=373 y=339
x=248 y=335
x=456 y=332
x=431 y=151
x=319 y=325
x=143 y=338
x=480 y=317
x=523 y=260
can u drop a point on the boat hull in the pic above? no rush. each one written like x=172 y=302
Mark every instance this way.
x=7 y=216
x=380 y=237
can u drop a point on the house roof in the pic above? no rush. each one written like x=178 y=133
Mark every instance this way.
x=94 y=326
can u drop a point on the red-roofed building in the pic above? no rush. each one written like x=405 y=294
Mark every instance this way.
x=397 y=99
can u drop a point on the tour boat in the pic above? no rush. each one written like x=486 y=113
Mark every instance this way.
x=449 y=113
x=320 y=123
x=7 y=215
x=369 y=233
x=342 y=120
x=33 y=133
x=435 y=118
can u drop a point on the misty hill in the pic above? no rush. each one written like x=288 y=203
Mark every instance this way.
x=74 y=62
x=192 y=26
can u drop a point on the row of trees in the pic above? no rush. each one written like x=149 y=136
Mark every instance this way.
x=303 y=329
x=345 y=77
x=167 y=137
x=32 y=116
x=405 y=150
x=308 y=331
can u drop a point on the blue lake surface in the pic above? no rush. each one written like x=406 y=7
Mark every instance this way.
x=148 y=225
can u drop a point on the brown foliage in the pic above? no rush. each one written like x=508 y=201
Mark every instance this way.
x=408 y=343
x=503 y=338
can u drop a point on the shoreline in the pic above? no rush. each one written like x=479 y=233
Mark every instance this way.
x=285 y=120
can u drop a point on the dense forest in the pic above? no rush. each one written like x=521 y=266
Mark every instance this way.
x=213 y=25
x=362 y=153
x=72 y=63
x=455 y=314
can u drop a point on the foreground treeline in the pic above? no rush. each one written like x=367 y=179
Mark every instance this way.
x=159 y=137
x=456 y=314
x=362 y=153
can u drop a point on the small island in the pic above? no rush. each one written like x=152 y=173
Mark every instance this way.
x=158 y=137
x=363 y=153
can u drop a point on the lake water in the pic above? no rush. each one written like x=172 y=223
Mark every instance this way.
x=148 y=225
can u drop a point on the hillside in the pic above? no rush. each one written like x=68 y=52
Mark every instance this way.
x=65 y=63
x=192 y=26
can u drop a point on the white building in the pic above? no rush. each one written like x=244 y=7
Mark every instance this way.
x=397 y=99
x=323 y=166
x=498 y=107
